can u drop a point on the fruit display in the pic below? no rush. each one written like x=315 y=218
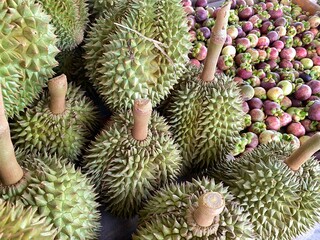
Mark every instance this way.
x=279 y=187
x=69 y=18
x=60 y=123
x=205 y=110
x=143 y=57
x=54 y=188
x=19 y=223
x=131 y=158
x=201 y=209
x=272 y=50
x=27 y=53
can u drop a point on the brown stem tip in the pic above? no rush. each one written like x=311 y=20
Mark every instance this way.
x=10 y=170
x=58 y=87
x=304 y=153
x=211 y=204
x=307 y=6
x=142 y=110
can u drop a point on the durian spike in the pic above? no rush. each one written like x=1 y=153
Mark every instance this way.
x=10 y=170
x=211 y=204
x=58 y=87
x=304 y=153
x=142 y=110
x=217 y=40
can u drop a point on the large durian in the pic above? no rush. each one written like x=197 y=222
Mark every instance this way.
x=144 y=56
x=280 y=192
x=27 y=52
x=129 y=159
x=18 y=222
x=59 y=123
x=200 y=209
x=56 y=190
x=70 y=18
x=205 y=111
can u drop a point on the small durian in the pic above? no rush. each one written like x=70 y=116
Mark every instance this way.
x=205 y=110
x=27 y=54
x=19 y=222
x=280 y=192
x=59 y=123
x=70 y=18
x=145 y=55
x=55 y=189
x=131 y=158
x=200 y=209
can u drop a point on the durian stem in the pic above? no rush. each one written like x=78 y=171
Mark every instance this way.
x=211 y=204
x=58 y=87
x=307 y=6
x=10 y=170
x=142 y=110
x=217 y=40
x=304 y=153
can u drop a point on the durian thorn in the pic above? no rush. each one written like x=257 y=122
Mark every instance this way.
x=10 y=170
x=307 y=6
x=304 y=153
x=217 y=40
x=58 y=88
x=142 y=110
x=211 y=204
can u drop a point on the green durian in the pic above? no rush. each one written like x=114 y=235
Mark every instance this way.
x=100 y=7
x=205 y=110
x=70 y=18
x=170 y=214
x=283 y=200
x=55 y=189
x=127 y=168
x=18 y=222
x=144 y=56
x=41 y=130
x=27 y=52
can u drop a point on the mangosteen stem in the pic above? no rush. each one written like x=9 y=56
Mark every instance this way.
x=211 y=204
x=142 y=110
x=58 y=87
x=217 y=40
x=304 y=153
x=10 y=170
x=307 y=6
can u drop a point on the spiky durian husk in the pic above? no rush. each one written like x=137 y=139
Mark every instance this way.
x=38 y=130
x=165 y=215
x=70 y=18
x=99 y=35
x=125 y=170
x=133 y=64
x=100 y=7
x=17 y=222
x=27 y=52
x=282 y=204
x=59 y=192
x=205 y=117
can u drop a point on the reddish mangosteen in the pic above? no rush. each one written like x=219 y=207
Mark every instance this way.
x=244 y=73
x=309 y=126
x=314 y=31
x=301 y=52
x=242 y=58
x=297 y=42
x=297 y=65
x=245 y=107
x=257 y=115
x=262 y=55
x=273 y=36
x=287 y=40
x=267 y=83
x=303 y=92
x=247 y=26
x=285 y=119
x=272 y=108
x=288 y=53
x=186 y=3
x=264 y=66
x=245 y=13
x=189 y=10
x=254 y=81
x=241 y=3
x=316 y=60
x=254 y=54
x=242 y=44
x=285 y=103
x=284 y=63
x=195 y=62
x=315 y=86
x=225 y=62
x=299 y=26
x=296 y=129
x=272 y=53
x=281 y=21
x=273 y=64
x=255 y=32
x=314 y=111
x=279 y=45
x=256 y=20
x=238 y=80
x=266 y=27
x=255 y=103
x=273 y=123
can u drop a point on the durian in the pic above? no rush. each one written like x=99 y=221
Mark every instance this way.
x=99 y=7
x=59 y=123
x=200 y=209
x=27 y=52
x=129 y=160
x=56 y=190
x=205 y=111
x=280 y=192
x=144 y=56
x=18 y=222
x=70 y=18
